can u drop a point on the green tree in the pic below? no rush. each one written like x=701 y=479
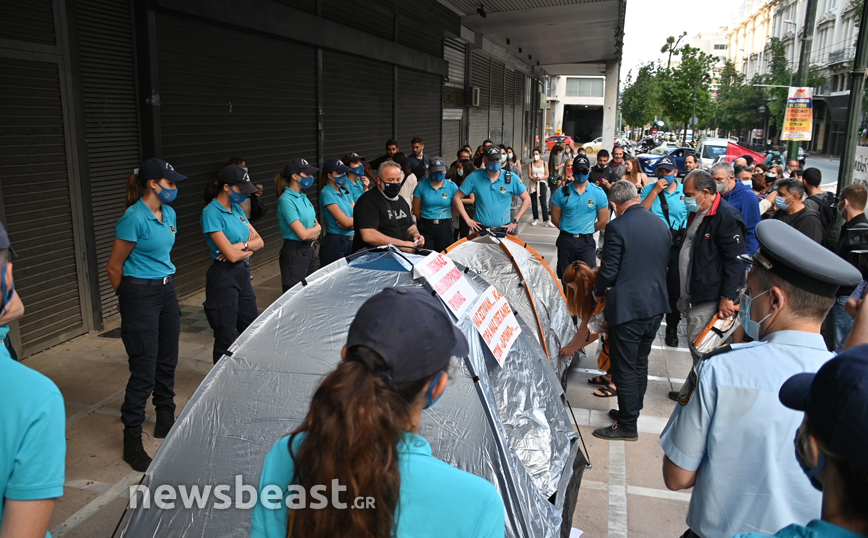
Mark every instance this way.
x=671 y=47
x=779 y=75
x=678 y=86
x=639 y=100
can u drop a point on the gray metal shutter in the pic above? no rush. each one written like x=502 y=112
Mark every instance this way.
x=420 y=34
x=376 y=18
x=36 y=197
x=451 y=139
x=495 y=115
x=509 y=110
x=518 y=101
x=480 y=66
x=229 y=93
x=31 y=21
x=108 y=80
x=357 y=106
x=419 y=109
x=455 y=52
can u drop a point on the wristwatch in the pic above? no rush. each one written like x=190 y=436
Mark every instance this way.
x=515 y=221
x=245 y=246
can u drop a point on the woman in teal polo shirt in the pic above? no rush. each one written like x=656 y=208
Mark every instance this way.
x=297 y=219
x=140 y=271
x=432 y=206
x=230 y=304
x=336 y=202
x=357 y=182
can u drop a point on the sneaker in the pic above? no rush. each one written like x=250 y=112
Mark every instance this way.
x=535 y=222
x=615 y=433
x=550 y=224
x=134 y=451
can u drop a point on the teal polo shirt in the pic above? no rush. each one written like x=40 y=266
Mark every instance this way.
x=356 y=189
x=677 y=210
x=435 y=203
x=344 y=200
x=232 y=222
x=294 y=206
x=493 y=200
x=579 y=211
x=33 y=442
x=154 y=240
x=430 y=488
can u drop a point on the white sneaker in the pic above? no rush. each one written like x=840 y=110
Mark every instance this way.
x=550 y=224
x=534 y=223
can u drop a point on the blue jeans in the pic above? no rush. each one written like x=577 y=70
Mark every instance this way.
x=629 y=346
x=837 y=325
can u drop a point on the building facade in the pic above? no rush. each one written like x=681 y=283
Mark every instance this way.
x=576 y=107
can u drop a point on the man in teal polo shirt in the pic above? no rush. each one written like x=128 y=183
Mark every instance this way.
x=494 y=189
x=579 y=209
x=666 y=200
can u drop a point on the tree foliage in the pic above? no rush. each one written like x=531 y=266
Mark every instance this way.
x=737 y=103
x=679 y=85
x=640 y=98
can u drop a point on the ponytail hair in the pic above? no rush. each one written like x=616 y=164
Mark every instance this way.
x=135 y=189
x=212 y=190
x=280 y=183
x=352 y=431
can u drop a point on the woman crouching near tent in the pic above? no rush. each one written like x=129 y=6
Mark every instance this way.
x=580 y=280
x=361 y=434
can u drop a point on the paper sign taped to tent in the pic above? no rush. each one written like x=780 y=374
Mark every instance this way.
x=494 y=320
x=448 y=281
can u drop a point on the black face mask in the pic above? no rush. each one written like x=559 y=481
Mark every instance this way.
x=391 y=189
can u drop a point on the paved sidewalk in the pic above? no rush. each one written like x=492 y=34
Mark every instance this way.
x=623 y=494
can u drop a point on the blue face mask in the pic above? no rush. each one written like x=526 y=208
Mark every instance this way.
x=306 y=182
x=492 y=167
x=780 y=203
x=237 y=197
x=166 y=196
x=437 y=177
x=359 y=170
x=810 y=473
x=668 y=177
x=751 y=327
x=7 y=293
x=430 y=394
x=583 y=178
x=461 y=173
x=691 y=205
x=341 y=180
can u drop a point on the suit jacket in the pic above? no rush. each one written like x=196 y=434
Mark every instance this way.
x=632 y=275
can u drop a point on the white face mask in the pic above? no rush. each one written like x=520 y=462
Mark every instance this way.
x=509 y=155
x=536 y=157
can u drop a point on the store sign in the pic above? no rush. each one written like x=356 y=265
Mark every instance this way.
x=453 y=96
x=797 y=121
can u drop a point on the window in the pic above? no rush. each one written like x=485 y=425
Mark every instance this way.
x=584 y=87
x=720 y=46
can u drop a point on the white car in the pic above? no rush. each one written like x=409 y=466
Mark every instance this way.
x=594 y=146
x=710 y=149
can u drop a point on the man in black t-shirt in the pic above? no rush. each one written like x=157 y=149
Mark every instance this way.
x=391 y=149
x=381 y=217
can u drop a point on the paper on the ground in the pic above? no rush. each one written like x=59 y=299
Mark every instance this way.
x=448 y=282
x=496 y=323
x=575 y=533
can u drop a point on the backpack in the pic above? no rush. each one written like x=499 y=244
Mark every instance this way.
x=827 y=206
x=776 y=158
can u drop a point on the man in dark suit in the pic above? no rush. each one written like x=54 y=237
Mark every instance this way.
x=632 y=280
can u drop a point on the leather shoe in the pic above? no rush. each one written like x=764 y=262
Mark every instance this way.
x=673 y=395
x=672 y=335
x=616 y=433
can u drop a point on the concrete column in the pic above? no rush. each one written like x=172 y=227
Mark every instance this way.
x=610 y=104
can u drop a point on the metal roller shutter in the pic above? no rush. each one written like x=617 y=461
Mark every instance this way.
x=518 y=101
x=419 y=109
x=480 y=66
x=377 y=17
x=357 y=109
x=451 y=139
x=227 y=93
x=420 y=35
x=495 y=115
x=31 y=21
x=36 y=198
x=455 y=52
x=509 y=110
x=108 y=80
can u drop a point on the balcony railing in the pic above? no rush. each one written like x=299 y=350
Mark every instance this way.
x=842 y=55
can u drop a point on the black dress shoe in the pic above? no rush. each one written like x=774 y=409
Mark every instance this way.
x=613 y=414
x=616 y=433
x=673 y=395
x=672 y=335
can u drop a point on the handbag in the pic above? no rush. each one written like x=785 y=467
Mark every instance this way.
x=257 y=208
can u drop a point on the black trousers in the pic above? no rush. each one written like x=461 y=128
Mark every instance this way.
x=150 y=329
x=673 y=286
x=542 y=188
x=463 y=228
x=297 y=260
x=571 y=249
x=437 y=236
x=334 y=247
x=629 y=347
x=230 y=304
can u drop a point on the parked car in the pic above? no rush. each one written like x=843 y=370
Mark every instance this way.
x=648 y=161
x=594 y=146
x=710 y=149
x=557 y=139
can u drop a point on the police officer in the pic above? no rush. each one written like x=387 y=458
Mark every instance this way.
x=336 y=202
x=357 y=181
x=726 y=437
x=432 y=206
x=666 y=200
x=298 y=225
x=494 y=189
x=579 y=209
x=140 y=271
x=230 y=304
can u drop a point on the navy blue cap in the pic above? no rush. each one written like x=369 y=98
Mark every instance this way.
x=352 y=157
x=836 y=402
x=801 y=261
x=410 y=329
x=4 y=240
x=666 y=162
x=492 y=153
x=235 y=175
x=335 y=165
x=159 y=169
x=297 y=166
x=580 y=162
x=438 y=164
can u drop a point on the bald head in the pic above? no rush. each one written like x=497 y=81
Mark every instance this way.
x=742 y=161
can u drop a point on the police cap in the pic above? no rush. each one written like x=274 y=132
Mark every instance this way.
x=801 y=261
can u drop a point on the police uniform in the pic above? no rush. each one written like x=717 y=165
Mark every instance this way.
x=357 y=187
x=729 y=425
x=148 y=304
x=297 y=256
x=338 y=242
x=230 y=303
x=493 y=198
x=578 y=219
x=435 y=224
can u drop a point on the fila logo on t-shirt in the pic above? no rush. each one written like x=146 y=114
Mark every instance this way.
x=396 y=215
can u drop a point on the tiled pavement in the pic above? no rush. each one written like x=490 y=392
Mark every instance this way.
x=621 y=495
